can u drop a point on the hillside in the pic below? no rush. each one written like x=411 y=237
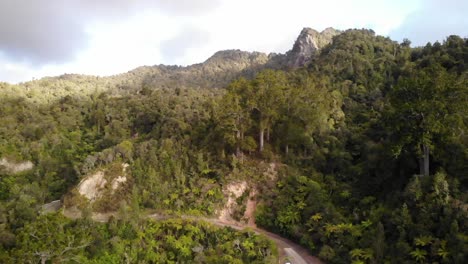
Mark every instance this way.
x=351 y=144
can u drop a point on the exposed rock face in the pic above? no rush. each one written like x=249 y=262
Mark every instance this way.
x=15 y=167
x=233 y=191
x=51 y=207
x=93 y=186
x=308 y=44
x=117 y=181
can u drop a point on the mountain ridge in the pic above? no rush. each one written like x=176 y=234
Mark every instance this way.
x=215 y=72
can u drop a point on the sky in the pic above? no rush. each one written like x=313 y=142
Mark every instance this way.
x=41 y=38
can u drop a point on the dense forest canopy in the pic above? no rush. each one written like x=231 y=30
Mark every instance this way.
x=368 y=142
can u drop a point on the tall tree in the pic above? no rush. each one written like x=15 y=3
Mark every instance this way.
x=234 y=113
x=424 y=105
x=267 y=98
x=307 y=108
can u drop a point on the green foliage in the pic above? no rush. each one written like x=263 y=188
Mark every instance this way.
x=326 y=253
x=52 y=238
x=283 y=109
x=419 y=255
x=425 y=104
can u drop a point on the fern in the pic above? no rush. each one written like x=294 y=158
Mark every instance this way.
x=423 y=241
x=419 y=254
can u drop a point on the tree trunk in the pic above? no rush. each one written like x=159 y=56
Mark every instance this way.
x=421 y=165
x=287 y=149
x=424 y=161
x=238 y=136
x=262 y=132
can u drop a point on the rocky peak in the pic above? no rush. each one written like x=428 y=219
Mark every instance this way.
x=306 y=42
x=309 y=42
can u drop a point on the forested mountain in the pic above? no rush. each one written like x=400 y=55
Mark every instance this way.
x=351 y=144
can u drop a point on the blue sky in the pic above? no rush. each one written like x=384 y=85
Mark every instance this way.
x=103 y=37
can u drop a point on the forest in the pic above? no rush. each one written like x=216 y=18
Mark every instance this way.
x=369 y=142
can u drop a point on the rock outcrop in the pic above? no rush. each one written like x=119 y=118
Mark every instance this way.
x=51 y=207
x=94 y=186
x=15 y=167
x=309 y=42
x=236 y=211
x=233 y=191
x=102 y=191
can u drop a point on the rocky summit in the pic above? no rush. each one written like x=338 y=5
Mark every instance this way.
x=309 y=42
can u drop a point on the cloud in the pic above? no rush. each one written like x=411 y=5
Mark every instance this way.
x=53 y=31
x=434 y=21
x=177 y=47
x=13 y=72
x=187 y=7
x=32 y=31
